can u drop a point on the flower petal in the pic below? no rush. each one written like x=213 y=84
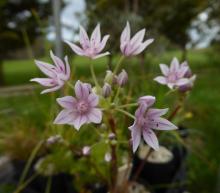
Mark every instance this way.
x=164 y=69
x=76 y=48
x=51 y=89
x=152 y=113
x=82 y=90
x=44 y=81
x=93 y=100
x=67 y=68
x=103 y=43
x=141 y=47
x=136 y=137
x=46 y=68
x=163 y=124
x=161 y=80
x=182 y=81
x=182 y=71
x=83 y=38
x=57 y=61
x=137 y=38
x=174 y=66
x=78 y=121
x=126 y=33
x=96 y=36
x=151 y=139
x=67 y=102
x=101 y=55
x=148 y=100
x=95 y=115
x=65 y=116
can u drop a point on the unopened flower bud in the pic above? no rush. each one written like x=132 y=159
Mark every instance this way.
x=122 y=78
x=109 y=76
x=106 y=90
x=108 y=157
x=111 y=136
x=103 y=126
x=54 y=139
x=113 y=142
x=86 y=150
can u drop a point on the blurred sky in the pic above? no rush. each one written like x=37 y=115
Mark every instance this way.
x=74 y=13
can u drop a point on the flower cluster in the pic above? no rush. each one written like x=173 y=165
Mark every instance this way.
x=177 y=76
x=86 y=108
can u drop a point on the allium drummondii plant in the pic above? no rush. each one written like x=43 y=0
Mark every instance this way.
x=90 y=47
x=99 y=104
x=57 y=74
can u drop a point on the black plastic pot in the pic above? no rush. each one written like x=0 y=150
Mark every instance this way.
x=97 y=188
x=60 y=183
x=164 y=177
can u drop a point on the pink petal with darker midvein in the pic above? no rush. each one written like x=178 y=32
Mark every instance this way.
x=78 y=121
x=93 y=100
x=136 y=138
x=163 y=124
x=46 y=68
x=102 y=43
x=149 y=100
x=151 y=139
x=76 y=48
x=96 y=36
x=174 y=66
x=67 y=67
x=51 y=89
x=44 y=81
x=67 y=102
x=182 y=81
x=95 y=115
x=126 y=33
x=63 y=117
x=58 y=62
x=161 y=79
x=81 y=90
x=164 y=69
x=142 y=46
x=83 y=38
x=137 y=38
x=101 y=55
x=156 y=112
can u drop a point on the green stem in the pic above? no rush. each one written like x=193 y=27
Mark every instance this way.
x=48 y=187
x=22 y=186
x=117 y=94
x=93 y=75
x=70 y=85
x=30 y=160
x=128 y=105
x=126 y=113
x=118 y=64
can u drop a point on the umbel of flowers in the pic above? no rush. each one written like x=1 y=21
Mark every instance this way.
x=84 y=106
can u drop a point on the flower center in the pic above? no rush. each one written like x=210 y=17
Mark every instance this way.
x=82 y=107
x=172 y=78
